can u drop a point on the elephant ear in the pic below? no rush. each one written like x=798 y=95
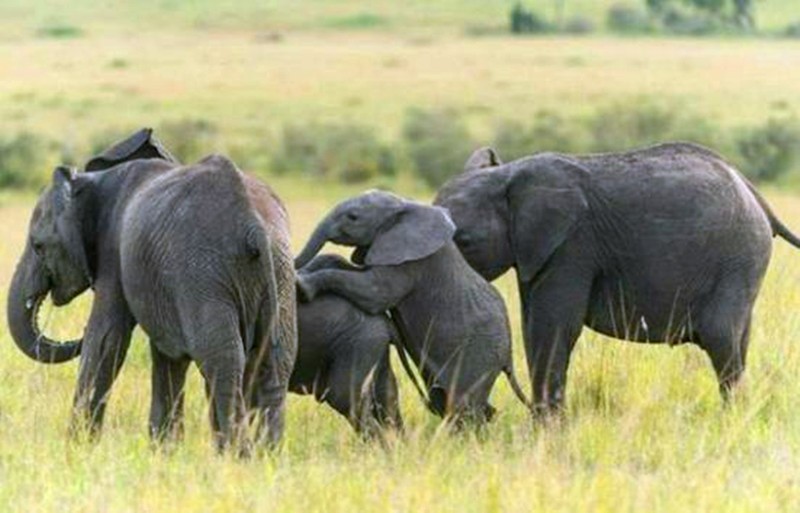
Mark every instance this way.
x=482 y=158
x=141 y=145
x=68 y=209
x=547 y=202
x=416 y=232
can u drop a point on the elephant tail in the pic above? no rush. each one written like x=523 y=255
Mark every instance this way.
x=778 y=228
x=515 y=386
x=398 y=340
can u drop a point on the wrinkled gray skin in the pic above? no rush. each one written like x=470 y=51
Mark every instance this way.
x=664 y=244
x=452 y=322
x=343 y=359
x=197 y=255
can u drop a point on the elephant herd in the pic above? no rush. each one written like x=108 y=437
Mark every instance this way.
x=666 y=244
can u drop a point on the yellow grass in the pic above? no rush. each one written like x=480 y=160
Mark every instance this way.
x=645 y=430
x=75 y=89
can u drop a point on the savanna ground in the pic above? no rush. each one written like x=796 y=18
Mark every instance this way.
x=644 y=428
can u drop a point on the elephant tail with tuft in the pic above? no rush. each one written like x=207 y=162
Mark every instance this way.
x=515 y=386
x=778 y=228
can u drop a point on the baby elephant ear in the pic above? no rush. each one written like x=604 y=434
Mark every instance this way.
x=141 y=145
x=417 y=232
x=481 y=158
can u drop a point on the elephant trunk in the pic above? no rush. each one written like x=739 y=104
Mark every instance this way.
x=314 y=244
x=29 y=288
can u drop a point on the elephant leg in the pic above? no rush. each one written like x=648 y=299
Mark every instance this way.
x=105 y=346
x=166 y=407
x=725 y=335
x=385 y=404
x=270 y=401
x=553 y=313
x=222 y=363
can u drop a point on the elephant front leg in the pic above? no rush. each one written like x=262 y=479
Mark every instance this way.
x=375 y=290
x=553 y=314
x=166 y=407
x=105 y=345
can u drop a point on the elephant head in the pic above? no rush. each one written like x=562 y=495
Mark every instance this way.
x=385 y=229
x=532 y=204
x=57 y=255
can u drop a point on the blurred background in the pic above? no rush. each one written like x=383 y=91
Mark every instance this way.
x=397 y=94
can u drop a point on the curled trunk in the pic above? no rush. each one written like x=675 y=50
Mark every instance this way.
x=26 y=294
x=313 y=246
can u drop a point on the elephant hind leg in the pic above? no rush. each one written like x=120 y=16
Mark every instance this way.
x=723 y=332
x=384 y=400
x=220 y=356
x=726 y=344
x=166 y=407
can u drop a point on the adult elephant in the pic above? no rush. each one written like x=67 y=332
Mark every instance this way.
x=663 y=244
x=198 y=255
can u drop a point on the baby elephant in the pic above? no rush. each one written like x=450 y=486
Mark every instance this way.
x=343 y=359
x=452 y=322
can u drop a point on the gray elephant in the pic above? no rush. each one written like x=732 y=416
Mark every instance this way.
x=452 y=322
x=663 y=244
x=343 y=359
x=197 y=255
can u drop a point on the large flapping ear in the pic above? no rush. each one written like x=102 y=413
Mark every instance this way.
x=141 y=145
x=416 y=232
x=547 y=202
x=481 y=158
x=69 y=216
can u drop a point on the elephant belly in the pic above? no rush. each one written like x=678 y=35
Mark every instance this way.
x=625 y=313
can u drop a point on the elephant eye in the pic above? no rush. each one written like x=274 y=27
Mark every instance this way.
x=352 y=216
x=38 y=248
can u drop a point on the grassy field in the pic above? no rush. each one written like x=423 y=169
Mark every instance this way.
x=644 y=430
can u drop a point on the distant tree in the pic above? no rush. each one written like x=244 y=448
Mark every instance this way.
x=743 y=14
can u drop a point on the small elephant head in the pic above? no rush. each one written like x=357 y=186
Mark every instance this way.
x=58 y=251
x=386 y=230
x=515 y=214
x=475 y=200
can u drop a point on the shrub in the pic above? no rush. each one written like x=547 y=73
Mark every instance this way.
x=524 y=21
x=628 y=20
x=189 y=140
x=579 y=25
x=624 y=125
x=548 y=132
x=60 y=31
x=24 y=161
x=681 y=22
x=771 y=150
x=349 y=153
x=793 y=30
x=438 y=143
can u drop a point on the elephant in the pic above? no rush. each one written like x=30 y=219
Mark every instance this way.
x=452 y=322
x=197 y=255
x=664 y=244
x=343 y=359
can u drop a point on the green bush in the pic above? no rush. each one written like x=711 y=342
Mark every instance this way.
x=682 y=22
x=60 y=31
x=628 y=20
x=349 y=153
x=624 y=125
x=793 y=30
x=24 y=161
x=525 y=21
x=770 y=151
x=548 y=132
x=579 y=25
x=438 y=143
x=189 y=140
